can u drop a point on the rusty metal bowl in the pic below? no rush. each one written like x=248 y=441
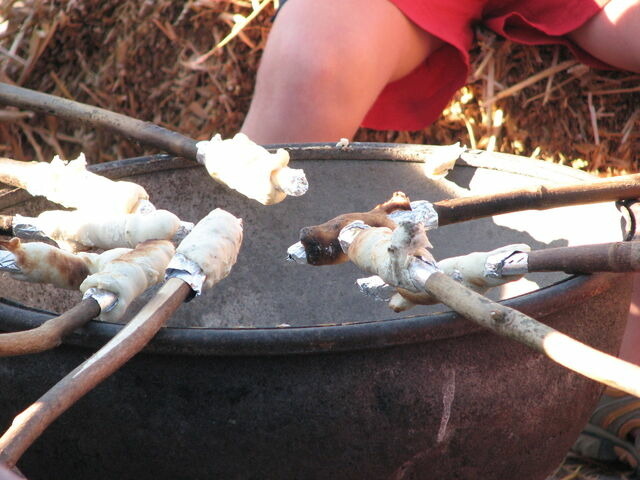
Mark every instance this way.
x=287 y=372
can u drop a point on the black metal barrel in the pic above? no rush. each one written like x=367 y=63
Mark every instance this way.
x=287 y=372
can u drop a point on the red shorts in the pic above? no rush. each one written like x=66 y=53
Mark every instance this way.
x=418 y=99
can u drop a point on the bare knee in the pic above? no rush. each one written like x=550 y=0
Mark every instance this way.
x=322 y=68
x=612 y=35
x=325 y=64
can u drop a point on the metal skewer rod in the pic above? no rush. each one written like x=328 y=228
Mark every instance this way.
x=30 y=424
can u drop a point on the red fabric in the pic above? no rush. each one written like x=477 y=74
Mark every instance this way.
x=418 y=99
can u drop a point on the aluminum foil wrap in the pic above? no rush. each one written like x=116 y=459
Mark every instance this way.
x=186 y=270
x=8 y=262
x=292 y=181
x=420 y=269
x=27 y=228
x=183 y=230
x=107 y=300
x=457 y=275
x=507 y=263
x=349 y=233
x=297 y=254
x=376 y=288
x=421 y=211
x=144 y=206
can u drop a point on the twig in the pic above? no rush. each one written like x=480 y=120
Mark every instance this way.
x=14 y=115
x=237 y=28
x=560 y=348
x=61 y=85
x=15 y=58
x=30 y=424
x=628 y=126
x=33 y=58
x=29 y=134
x=615 y=91
x=483 y=64
x=554 y=62
x=17 y=40
x=472 y=137
x=374 y=251
x=144 y=132
x=532 y=79
x=594 y=119
x=50 y=333
x=553 y=89
x=537 y=198
x=496 y=122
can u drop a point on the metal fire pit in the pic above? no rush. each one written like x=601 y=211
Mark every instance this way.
x=288 y=372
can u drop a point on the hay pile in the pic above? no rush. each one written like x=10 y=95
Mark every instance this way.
x=157 y=61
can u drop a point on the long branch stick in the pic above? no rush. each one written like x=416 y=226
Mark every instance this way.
x=50 y=333
x=604 y=257
x=461 y=209
x=143 y=132
x=557 y=346
x=401 y=259
x=30 y=424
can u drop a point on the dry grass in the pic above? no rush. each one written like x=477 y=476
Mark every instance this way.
x=158 y=61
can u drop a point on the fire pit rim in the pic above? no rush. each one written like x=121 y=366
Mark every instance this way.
x=375 y=334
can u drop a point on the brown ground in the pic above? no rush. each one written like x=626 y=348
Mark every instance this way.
x=157 y=61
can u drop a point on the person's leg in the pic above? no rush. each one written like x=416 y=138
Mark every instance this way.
x=613 y=35
x=325 y=64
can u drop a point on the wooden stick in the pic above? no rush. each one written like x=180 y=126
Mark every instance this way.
x=30 y=424
x=537 y=198
x=50 y=333
x=401 y=260
x=560 y=348
x=605 y=257
x=144 y=132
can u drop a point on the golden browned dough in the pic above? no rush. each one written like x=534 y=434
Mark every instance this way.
x=43 y=263
x=321 y=243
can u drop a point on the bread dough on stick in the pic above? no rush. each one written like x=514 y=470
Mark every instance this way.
x=77 y=229
x=321 y=243
x=72 y=185
x=97 y=261
x=470 y=270
x=385 y=252
x=131 y=274
x=250 y=169
x=213 y=245
x=42 y=263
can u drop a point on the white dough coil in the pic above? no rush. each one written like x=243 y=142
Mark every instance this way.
x=131 y=274
x=213 y=245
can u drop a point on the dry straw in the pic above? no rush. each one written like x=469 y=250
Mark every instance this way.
x=190 y=66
